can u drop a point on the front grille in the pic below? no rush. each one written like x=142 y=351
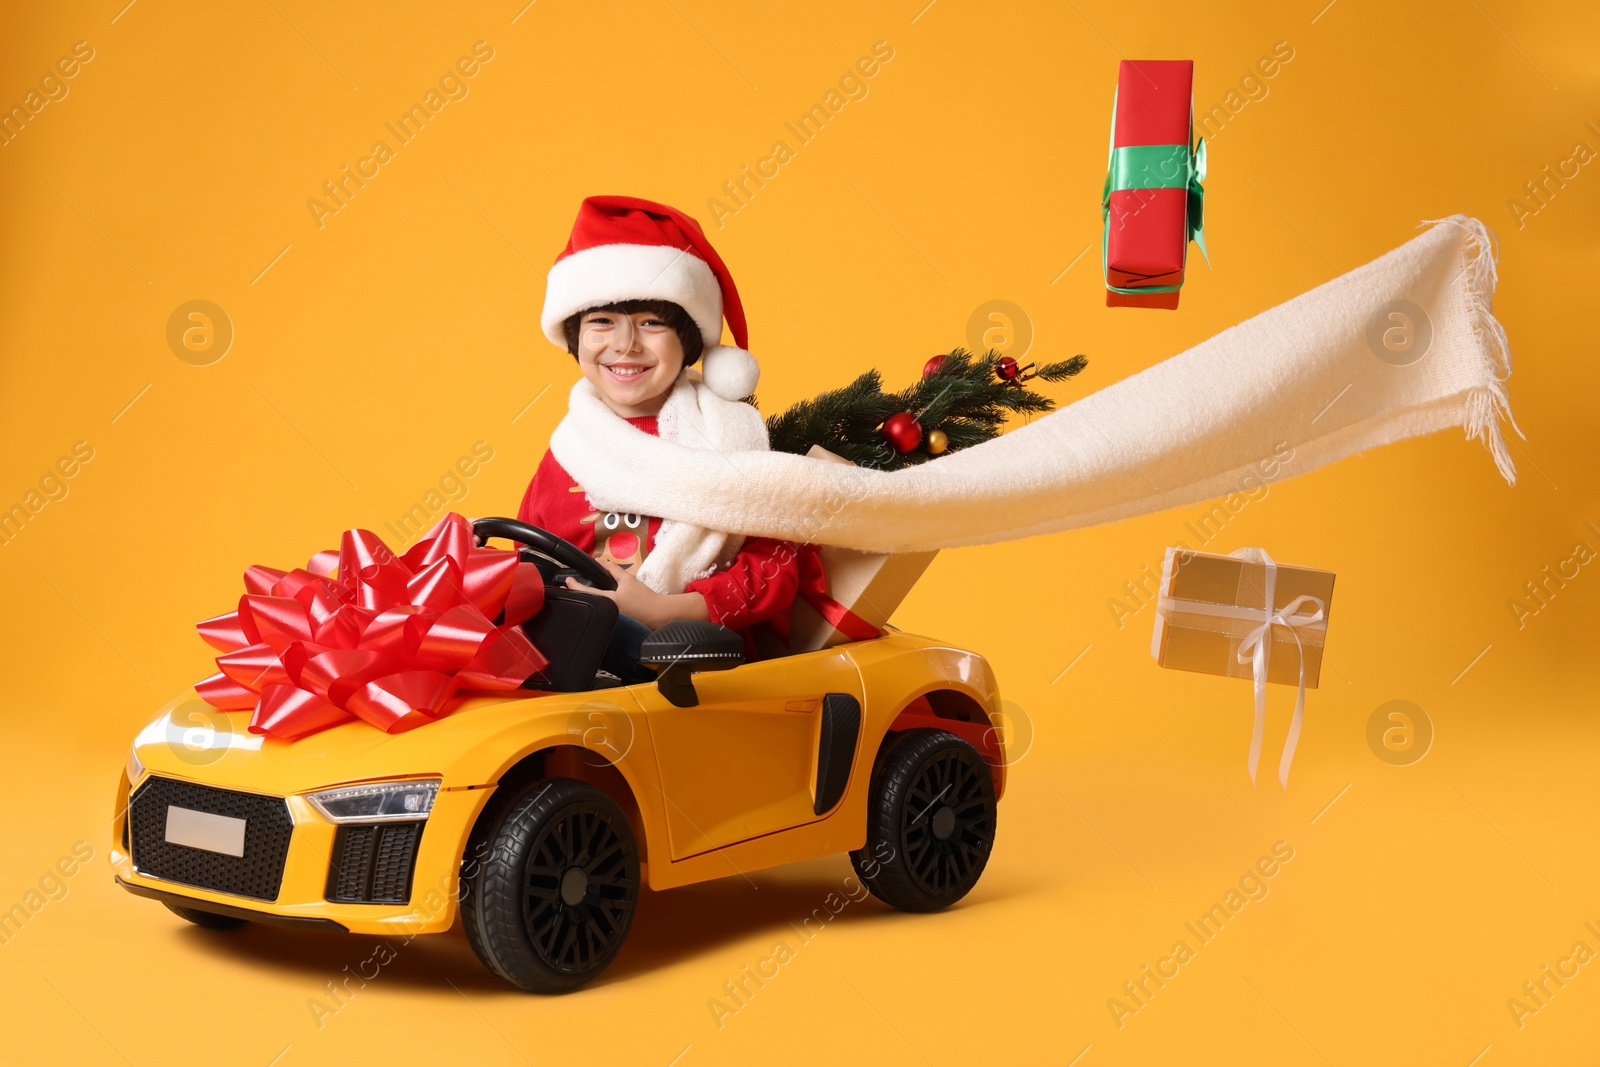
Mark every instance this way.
x=372 y=863
x=256 y=874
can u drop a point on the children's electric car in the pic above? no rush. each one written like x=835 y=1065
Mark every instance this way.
x=545 y=810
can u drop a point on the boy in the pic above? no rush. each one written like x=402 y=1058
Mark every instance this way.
x=638 y=298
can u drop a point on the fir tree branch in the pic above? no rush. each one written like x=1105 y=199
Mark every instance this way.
x=965 y=399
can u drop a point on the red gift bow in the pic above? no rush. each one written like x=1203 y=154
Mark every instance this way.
x=388 y=640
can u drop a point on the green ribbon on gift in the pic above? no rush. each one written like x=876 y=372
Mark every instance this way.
x=1156 y=166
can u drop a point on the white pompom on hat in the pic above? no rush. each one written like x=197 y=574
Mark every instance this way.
x=625 y=248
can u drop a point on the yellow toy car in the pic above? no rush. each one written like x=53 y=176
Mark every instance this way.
x=543 y=811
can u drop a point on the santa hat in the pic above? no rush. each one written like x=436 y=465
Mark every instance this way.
x=625 y=248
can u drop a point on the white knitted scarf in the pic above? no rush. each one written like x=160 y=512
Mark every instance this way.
x=694 y=418
x=1320 y=375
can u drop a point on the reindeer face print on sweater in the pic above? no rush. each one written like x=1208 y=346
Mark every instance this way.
x=619 y=538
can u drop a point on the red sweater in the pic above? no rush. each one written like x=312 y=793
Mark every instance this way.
x=757 y=587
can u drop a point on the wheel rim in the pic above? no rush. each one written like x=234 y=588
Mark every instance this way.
x=948 y=823
x=578 y=889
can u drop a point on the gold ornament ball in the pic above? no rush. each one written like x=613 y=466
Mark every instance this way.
x=937 y=442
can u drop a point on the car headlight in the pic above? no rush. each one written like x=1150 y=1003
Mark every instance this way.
x=377 y=801
x=135 y=768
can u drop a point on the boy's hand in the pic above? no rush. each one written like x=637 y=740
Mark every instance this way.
x=635 y=598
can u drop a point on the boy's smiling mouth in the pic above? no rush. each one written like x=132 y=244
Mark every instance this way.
x=626 y=371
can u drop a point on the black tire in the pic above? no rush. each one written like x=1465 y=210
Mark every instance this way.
x=551 y=903
x=208 y=919
x=930 y=821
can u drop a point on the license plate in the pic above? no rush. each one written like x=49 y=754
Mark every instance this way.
x=202 y=829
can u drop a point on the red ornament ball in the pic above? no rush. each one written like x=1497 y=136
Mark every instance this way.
x=932 y=367
x=1006 y=369
x=902 y=432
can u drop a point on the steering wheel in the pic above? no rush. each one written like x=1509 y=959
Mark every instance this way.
x=548 y=545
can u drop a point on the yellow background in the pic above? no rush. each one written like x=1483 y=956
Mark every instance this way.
x=370 y=354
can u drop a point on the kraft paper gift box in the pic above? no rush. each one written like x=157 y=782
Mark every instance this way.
x=1209 y=604
x=1213 y=611
x=1151 y=203
x=869 y=584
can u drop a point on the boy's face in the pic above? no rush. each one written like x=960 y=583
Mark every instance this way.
x=631 y=359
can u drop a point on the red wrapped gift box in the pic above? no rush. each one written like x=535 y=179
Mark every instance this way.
x=1152 y=196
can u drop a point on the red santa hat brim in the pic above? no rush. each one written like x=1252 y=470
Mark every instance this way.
x=610 y=274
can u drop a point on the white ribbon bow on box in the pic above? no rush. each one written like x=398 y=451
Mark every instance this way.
x=1255 y=648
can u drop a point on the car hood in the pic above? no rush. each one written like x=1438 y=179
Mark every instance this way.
x=190 y=739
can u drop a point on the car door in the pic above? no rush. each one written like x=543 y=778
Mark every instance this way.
x=743 y=762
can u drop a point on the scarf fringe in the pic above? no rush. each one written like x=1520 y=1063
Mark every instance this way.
x=1488 y=405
